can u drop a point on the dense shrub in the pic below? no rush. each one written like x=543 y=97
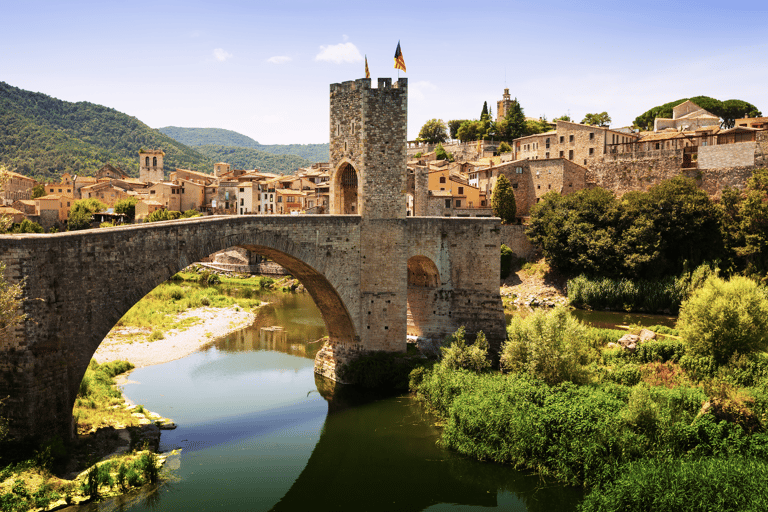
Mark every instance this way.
x=626 y=294
x=458 y=355
x=577 y=434
x=725 y=317
x=672 y=485
x=550 y=345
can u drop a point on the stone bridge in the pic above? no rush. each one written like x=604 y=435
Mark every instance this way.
x=375 y=274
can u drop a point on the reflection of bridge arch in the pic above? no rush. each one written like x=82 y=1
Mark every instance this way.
x=84 y=282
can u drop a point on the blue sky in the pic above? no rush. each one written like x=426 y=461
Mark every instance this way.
x=264 y=68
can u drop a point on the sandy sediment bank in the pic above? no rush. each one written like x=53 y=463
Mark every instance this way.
x=132 y=344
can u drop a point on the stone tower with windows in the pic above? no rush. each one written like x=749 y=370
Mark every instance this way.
x=503 y=105
x=368 y=148
x=151 y=165
x=369 y=172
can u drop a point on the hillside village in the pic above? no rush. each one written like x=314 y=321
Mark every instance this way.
x=569 y=158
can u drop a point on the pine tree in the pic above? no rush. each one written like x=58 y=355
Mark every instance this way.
x=484 y=113
x=503 y=200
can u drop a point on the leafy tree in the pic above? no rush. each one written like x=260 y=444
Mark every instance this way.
x=458 y=355
x=38 y=191
x=453 y=127
x=504 y=148
x=564 y=117
x=725 y=317
x=433 y=131
x=160 y=215
x=601 y=119
x=27 y=226
x=442 y=154
x=191 y=213
x=470 y=130
x=81 y=213
x=484 y=113
x=503 y=200
x=532 y=127
x=513 y=124
x=127 y=207
x=10 y=300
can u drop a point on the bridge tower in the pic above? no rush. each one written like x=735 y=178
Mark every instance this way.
x=368 y=162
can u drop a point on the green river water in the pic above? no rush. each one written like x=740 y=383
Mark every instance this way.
x=258 y=431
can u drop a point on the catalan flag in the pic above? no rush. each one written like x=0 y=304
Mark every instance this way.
x=399 y=62
x=367 y=73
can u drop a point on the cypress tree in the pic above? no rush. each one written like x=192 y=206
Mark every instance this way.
x=503 y=200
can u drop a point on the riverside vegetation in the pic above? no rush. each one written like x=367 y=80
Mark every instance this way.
x=678 y=424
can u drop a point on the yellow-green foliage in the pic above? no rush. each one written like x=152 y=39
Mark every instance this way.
x=552 y=346
x=98 y=394
x=158 y=309
x=468 y=357
x=725 y=317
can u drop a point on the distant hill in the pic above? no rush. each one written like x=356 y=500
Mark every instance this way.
x=220 y=137
x=247 y=158
x=44 y=137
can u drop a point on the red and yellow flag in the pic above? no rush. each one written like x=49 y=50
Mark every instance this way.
x=367 y=73
x=399 y=62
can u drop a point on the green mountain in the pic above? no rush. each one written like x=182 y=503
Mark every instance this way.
x=44 y=137
x=219 y=137
x=247 y=158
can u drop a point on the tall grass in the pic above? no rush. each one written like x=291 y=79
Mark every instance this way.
x=579 y=435
x=666 y=294
x=671 y=485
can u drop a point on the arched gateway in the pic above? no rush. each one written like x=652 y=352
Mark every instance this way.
x=77 y=285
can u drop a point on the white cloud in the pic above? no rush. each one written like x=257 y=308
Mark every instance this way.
x=279 y=59
x=221 y=55
x=419 y=90
x=339 y=53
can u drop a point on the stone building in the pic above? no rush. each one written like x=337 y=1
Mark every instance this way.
x=151 y=165
x=687 y=116
x=577 y=142
x=15 y=186
x=503 y=105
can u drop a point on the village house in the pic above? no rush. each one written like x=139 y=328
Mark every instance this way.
x=166 y=193
x=687 y=116
x=15 y=186
x=145 y=207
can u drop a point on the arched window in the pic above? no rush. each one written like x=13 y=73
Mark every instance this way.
x=154 y=161
x=146 y=162
x=347 y=181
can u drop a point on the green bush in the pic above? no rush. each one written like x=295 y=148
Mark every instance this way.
x=457 y=354
x=660 y=350
x=550 y=345
x=719 y=484
x=156 y=335
x=725 y=317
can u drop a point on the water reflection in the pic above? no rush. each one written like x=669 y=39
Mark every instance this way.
x=260 y=431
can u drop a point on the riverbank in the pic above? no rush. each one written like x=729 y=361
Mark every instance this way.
x=134 y=344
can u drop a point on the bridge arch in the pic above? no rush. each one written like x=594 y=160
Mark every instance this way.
x=346 y=184
x=427 y=305
x=82 y=283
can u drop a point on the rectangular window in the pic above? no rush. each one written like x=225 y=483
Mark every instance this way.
x=547 y=144
x=442 y=179
x=514 y=185
x=546 y=155
x=591 y=151
x=562 y=139
x=570 y=138
x=242 y=190
x=519 y=170
x=561 y=154
x=570 y=154
x=461 y=190
x=242 y=201
x=447 y=203
x=458 y=203
x=591 y=135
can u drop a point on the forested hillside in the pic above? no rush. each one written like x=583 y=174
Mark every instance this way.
x=220 y=137
x=44 y=137
x=246 y=158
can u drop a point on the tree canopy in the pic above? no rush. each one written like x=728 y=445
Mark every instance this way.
x=81 y=213
x=503 y=200
x=644 y=234
x=433 y=131
x=728 y=111
x=601 y=119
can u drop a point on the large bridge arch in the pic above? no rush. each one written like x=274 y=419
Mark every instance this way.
x=77 y=285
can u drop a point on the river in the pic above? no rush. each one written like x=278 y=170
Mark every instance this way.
x=259 y=431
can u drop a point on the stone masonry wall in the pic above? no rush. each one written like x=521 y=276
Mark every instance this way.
x=741 y=154
x=514 y=237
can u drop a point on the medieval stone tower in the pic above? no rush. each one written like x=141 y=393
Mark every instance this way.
x=151 y=165
x=368 y=178
x=368 y=148
x=503 y=106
